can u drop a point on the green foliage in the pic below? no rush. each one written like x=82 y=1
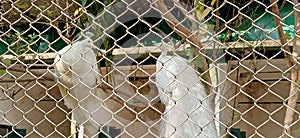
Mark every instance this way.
x=31 y=38
x=2 y=72
x=3 y=48
x=51 y=36
x=95 y=7
x=21 y=42
x=196 y=60
x=262 y=28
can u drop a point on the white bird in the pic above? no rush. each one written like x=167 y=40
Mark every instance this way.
x=188 y=111
x=77 y=75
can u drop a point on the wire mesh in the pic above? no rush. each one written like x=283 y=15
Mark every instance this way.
x=149 y=68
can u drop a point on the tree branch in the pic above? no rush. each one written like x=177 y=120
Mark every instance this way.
x=291 y=62
x=287 y=51
x=190 y=37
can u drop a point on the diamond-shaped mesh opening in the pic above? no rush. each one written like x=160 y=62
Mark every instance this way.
x=149 y=68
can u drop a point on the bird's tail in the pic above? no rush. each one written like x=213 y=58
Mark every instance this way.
x=92 y=112
x=189 y=114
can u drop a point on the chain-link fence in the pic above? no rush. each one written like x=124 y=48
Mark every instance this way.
x=149 y=68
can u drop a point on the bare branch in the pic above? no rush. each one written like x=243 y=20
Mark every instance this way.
x=275 y=10
x=190 y=37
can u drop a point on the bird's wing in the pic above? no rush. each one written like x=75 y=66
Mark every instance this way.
x=84 y=77
x=170 y=89
x=191 y=110
x=77 y=73
x=193 y=100
x=89 y=96
x=163 y=80
x=64 y=77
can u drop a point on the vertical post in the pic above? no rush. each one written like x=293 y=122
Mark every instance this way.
x=81 y=131
x=73 y=127
x=295 y=74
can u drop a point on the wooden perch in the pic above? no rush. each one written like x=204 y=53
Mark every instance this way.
x=24 y=70
x=191 y=37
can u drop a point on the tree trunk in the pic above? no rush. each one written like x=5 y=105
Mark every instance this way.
x=291 y=62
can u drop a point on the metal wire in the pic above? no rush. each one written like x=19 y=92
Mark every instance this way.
x=238 y=49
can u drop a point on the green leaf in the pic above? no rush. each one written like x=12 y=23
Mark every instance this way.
x=6 y=62
x=198 y=62
x=236 y=114
x=190 y=52
x=32 y=36
x=22 y=5
x=106 y=2
x=2 y=72
x=3 y=48
x=41 y=7
x=50 y=13
x=77 y=11
x=43 y=44
x=83 y=2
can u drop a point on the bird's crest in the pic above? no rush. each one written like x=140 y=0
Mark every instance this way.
x=87 y=39
x=89 y=34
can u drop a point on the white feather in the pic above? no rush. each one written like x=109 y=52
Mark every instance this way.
x=78 y=75
x=188 y=111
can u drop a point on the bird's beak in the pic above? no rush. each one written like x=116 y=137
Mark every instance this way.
x=97 y=49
